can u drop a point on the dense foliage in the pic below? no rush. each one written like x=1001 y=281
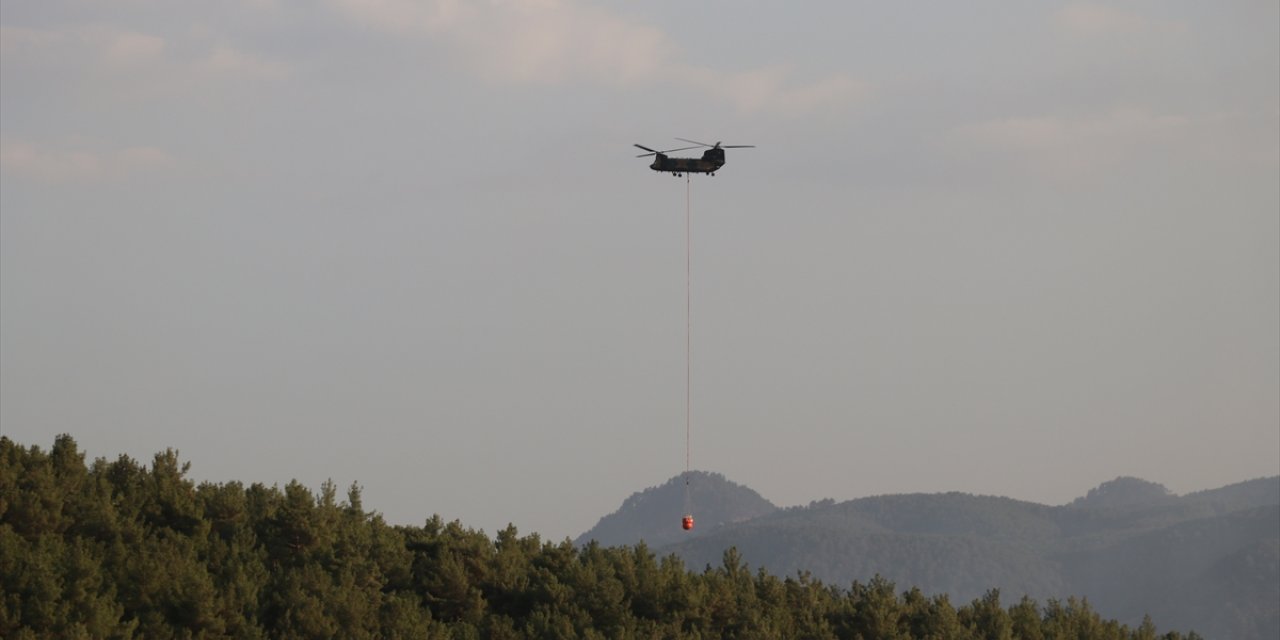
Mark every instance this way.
x=122 y=550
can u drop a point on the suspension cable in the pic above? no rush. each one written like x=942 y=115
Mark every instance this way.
x=688 y=338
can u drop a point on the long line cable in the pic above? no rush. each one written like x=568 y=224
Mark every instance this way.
x=688 y=338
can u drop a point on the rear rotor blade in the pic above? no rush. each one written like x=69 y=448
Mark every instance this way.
x=694 y=142
x=738 y=146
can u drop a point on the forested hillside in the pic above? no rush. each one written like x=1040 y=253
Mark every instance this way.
x=119 y=549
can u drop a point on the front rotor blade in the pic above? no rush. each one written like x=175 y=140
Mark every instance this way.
x=652 y=152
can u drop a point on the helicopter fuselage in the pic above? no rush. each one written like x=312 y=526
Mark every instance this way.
x=710 y=161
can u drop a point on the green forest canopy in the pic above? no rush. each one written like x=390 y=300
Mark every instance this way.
x=121 y=550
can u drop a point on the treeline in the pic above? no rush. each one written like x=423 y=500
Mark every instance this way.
x=122 y=550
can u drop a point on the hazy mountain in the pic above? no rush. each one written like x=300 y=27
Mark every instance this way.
x=653 y=515
x=1219 y=575
x=1260 y=492
x=1125 y=492
x=1208 y=561
x=958 y=544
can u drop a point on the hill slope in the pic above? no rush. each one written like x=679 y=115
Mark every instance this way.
x=1259 y=492
x=1208 y=560
x=653 y=515
x=1219 y=575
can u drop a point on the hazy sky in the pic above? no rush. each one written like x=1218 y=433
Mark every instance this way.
x=1004 y=248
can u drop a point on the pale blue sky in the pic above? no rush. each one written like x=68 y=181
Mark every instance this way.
x=1010 y=249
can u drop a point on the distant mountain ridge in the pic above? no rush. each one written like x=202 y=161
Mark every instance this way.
x=1259 y=492
x=1208 y=560
x=653 y=515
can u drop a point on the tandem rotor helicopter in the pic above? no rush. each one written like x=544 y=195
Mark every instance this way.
x=712 y=159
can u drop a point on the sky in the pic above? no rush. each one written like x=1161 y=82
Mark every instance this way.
x=1002 y=248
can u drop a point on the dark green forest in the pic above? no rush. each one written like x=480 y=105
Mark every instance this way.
x=119 y=549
